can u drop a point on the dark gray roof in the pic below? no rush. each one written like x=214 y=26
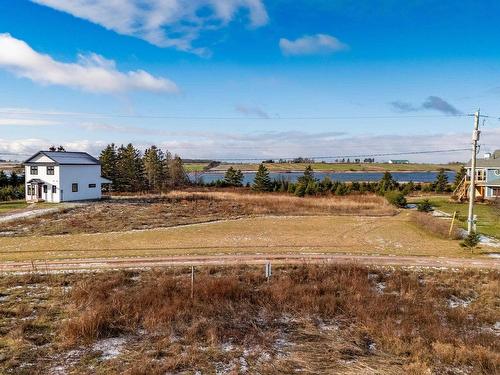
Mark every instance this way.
x=67 y=158
x=492 y=162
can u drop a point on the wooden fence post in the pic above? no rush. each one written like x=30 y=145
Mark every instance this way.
x=452 y=222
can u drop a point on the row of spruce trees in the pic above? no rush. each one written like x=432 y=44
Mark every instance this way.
x=307 y=184
x=131 y=170
x=11 y=187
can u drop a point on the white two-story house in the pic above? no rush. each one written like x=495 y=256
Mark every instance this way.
x=59 y=176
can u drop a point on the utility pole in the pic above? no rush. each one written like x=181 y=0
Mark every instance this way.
x=472 y=188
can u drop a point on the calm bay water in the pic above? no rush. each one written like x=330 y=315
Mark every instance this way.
x=344 y=177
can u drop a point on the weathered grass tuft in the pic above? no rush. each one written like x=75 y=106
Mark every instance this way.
x=435 y=226
x=409 y=317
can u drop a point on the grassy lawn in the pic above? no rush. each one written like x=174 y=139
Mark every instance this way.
x=194 y=167
x=488 y=215
x=342 y=167
x=6 y=207
x=314 y=234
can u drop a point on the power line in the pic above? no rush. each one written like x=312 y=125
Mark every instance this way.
x=316 y=157
x=178 y=117
x=355 y=156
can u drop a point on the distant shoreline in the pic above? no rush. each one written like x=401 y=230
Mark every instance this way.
x=328 y=171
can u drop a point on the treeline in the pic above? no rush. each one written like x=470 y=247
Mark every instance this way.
x=307 y=184
x=11 y=187
x=131 y=170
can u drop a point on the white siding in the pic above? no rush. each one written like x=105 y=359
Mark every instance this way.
x=83 y=175
x=49 y=180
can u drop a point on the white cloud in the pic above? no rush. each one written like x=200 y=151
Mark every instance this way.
x=164 y=23
x=264 y=145
x=312 y=45
x=91 y=73
x=26 y=122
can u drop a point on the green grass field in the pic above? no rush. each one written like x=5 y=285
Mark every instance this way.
x=342 y=167
x=8 y=206
x=194 y=167
x=488 y=215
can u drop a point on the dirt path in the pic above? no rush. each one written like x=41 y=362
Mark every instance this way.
x=30 y=212
x=148 y=262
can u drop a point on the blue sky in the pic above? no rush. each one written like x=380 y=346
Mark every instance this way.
x=227 y=78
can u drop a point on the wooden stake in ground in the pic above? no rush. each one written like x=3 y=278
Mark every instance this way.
x=452 y=222
x=192 y=282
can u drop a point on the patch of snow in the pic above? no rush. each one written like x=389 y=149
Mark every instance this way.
x=488 y=241
x=442 y=214
x=224 y=368
x=227 y=347
x=493 y=255
x=110 y=348
x=243 y=365
x=380 y=287
x=454 y=302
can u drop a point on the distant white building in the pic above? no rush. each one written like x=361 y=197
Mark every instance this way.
x=60 y=176
x=396 y=161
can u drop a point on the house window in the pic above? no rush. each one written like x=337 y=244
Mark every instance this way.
x=91 y=186
x=45 y=189
x=495 y=192
x=480 y=175
x=74 y=188
x=33 y=170
x=497 y=172
x=54 y=189
x=50 y=170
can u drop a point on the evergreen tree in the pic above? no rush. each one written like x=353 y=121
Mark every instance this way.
x=14 y=179
x=311 y=188
x=130 y=169
x=4 y=180
x=177 y=174
x=459 y=177
x=300 y=190
x=153 y=161
x=307 y=177
x=441 y=183
x=387 y=183
x=109 y=168
x=262 y=181
x=233 y=177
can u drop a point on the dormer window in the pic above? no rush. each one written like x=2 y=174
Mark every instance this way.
x=33 y=170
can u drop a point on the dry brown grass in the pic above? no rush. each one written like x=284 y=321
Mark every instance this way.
x=179 y=208
x=435 y=226
x=314 y=319
x=265 y=203
x=410 y=319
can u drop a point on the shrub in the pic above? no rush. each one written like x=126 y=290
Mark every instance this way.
x=300 y=190
x=396 y=198
x=471 y=241
x=424 y=206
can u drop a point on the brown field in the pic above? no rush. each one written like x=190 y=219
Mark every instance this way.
x=310 y=319
x=179 y=208
x=397 y=235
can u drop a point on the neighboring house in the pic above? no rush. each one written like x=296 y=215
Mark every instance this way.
x=487 y=178
x=59 y=176
x=395 y=161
